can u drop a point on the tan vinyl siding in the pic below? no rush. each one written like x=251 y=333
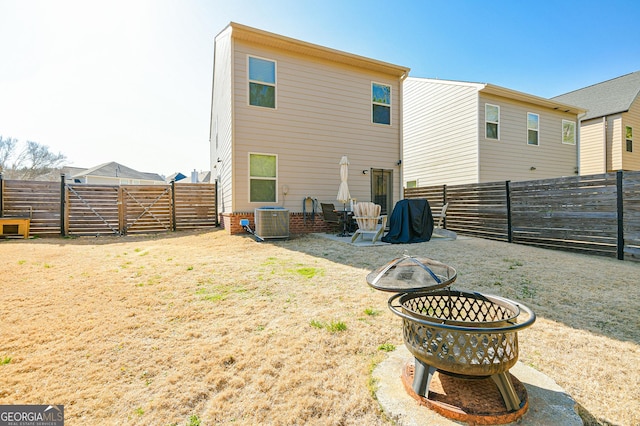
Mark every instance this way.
x=511 y=158
x=614 y=142
x=323 y=112
x=631 y=160
x=440 y=140
x=221 y=121
x=592 y=147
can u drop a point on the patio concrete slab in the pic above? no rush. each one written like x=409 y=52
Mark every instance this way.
x=549 y=404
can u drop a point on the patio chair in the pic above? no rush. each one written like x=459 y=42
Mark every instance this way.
x=369 y=220
x=440 y=217
x=329 y=214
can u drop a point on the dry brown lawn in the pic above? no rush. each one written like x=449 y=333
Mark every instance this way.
x=160 y=330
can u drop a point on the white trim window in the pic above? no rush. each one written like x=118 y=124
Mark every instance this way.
x=568 y=132
x=263 y=178
x=492 y=121
x=533 y=129
x=628 y=132
x=381 y=103
x=262 y=82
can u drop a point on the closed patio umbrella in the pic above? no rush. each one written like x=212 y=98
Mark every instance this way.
x=343 y=191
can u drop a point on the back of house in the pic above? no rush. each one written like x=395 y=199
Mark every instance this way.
x=284 y=112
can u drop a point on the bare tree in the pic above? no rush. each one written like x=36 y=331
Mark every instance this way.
x=30 y=163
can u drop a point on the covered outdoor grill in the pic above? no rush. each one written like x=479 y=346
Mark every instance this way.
x=462 y=334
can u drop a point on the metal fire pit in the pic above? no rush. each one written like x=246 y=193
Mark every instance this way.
x=459 y=333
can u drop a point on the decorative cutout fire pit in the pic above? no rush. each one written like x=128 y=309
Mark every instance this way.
x=462 y=334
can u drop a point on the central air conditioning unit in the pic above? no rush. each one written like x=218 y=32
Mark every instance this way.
x=272 y=222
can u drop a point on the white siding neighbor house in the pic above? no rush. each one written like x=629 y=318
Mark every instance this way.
x=113 y=173
x=459 y=132
x=610 y=126
x=283 y=114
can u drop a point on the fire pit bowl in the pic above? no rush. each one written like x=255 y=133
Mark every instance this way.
x=459 y=333
x=463 y=334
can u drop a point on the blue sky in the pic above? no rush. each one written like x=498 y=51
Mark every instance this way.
x=130 y=80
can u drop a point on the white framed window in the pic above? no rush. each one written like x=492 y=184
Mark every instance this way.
x=533 y=129
x=262 y=82
x=412 y=184
x=629 y=138
x=568 y=132
x=380 y=103
x=263 y=178
x=492 y=121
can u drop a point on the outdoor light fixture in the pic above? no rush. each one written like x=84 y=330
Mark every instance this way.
x=399 y=162
x=364 y=172
x=532 y=168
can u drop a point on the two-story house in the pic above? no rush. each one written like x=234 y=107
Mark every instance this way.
x=607 y=129
x=283 y=114
x=460 y=132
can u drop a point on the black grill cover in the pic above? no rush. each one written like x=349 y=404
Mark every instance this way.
x=411 y=222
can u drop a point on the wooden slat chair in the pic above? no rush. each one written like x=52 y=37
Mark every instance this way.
x=369 y=220
x=440 y=216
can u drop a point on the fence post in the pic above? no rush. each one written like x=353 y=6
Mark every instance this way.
x=63 y=213
x=620 y=209
x=509 y=223
x=173 y=205
x=444 y=201
x=1 y=195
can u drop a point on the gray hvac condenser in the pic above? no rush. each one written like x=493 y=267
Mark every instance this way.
x=272 y=222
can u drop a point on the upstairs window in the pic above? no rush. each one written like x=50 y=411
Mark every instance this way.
x=533 y=128
x=629 y=138
x=262 y=82
x=381 y=101
x=492 y=121
x=568 y=132
x=262 y=178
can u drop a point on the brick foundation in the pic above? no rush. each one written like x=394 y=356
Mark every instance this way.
x=298 y=223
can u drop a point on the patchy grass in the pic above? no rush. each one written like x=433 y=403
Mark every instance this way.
x=206 y=328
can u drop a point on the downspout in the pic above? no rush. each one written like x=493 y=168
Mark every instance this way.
x=403 y=77
x=578 y=142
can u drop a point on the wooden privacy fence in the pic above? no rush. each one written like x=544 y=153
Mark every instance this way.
x=82 y=209
x=598 y=214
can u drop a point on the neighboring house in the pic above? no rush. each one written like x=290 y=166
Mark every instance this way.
x=113 y=174
x=606 y=141
x=459 y=132
x=283 y=114
x=196 y=177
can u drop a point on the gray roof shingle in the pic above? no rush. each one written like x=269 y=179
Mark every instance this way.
x=606 y=98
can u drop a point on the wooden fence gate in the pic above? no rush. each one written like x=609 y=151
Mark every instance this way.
x=84 y=209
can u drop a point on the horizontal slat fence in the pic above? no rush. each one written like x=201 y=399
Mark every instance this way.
x=576 y=213
x=195 y=205
x=478 y=210
x=596 y=214
x=81 y=209
x=38 y=200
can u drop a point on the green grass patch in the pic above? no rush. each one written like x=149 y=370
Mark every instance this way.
x=387 y=347
x=333 y=326
x=5 y=360
x=371 y=312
